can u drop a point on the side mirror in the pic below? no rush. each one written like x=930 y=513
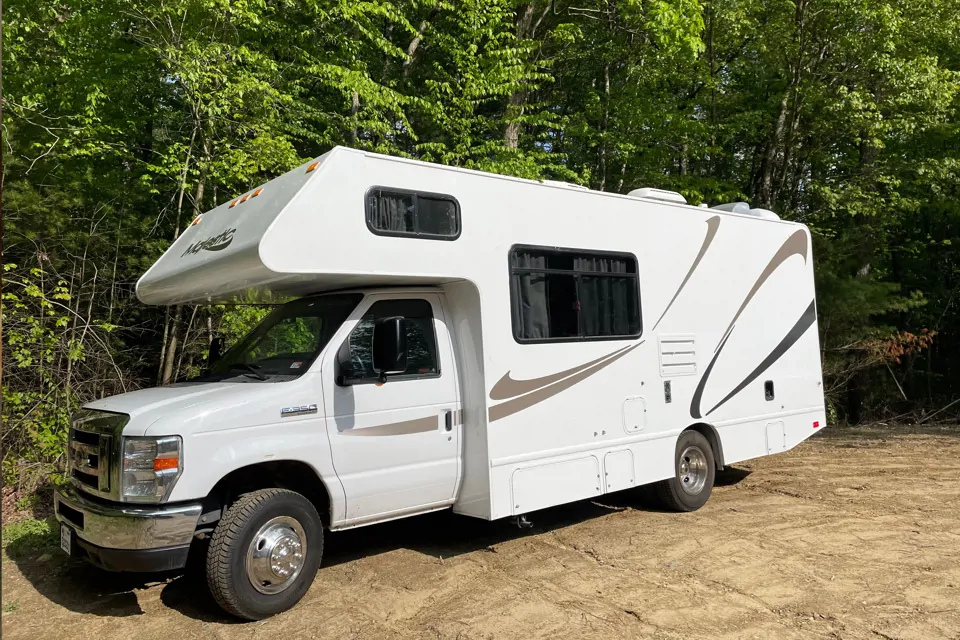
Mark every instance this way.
x=216 y=350
x=389 y=346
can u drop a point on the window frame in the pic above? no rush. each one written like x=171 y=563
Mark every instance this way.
x=376 y=189
x=341 y=381
x=513 y=271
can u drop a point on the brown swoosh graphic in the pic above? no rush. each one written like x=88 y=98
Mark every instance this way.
x=417 y=425
x=712 y=225
x=796 y=244
x=507 y=387
x=511 y=407
x=807 y=319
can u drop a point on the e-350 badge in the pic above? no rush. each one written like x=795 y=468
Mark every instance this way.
x=288 y=412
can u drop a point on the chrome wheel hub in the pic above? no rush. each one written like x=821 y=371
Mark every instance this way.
x=692 y=470
x=275 y=556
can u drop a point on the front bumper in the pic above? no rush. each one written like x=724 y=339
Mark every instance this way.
x=123 y=537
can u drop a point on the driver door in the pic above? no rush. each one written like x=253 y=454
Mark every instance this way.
x=396 y=446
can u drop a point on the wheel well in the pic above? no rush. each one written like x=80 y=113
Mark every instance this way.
x=284 y=474
x=709 y=432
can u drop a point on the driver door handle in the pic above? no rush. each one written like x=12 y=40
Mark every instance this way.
x=448 y=420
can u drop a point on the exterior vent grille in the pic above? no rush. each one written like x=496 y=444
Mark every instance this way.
x=678 y=355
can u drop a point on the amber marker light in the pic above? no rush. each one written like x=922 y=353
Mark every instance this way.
x=162 y=464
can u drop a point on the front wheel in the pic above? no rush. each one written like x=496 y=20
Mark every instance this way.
x=264 y=553
x=694 y=473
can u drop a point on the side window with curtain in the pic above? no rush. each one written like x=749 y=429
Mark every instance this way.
x=355 y=359
x=395 y=212
x=568 y=294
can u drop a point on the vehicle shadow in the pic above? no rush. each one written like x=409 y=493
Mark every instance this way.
x=73 y=584
x=82 y=588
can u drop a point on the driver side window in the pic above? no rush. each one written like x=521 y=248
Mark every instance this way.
x=356 y=354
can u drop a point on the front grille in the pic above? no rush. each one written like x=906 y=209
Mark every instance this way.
x=85 y=437
x=87 y=479
x=71 y=515
x=89 y=460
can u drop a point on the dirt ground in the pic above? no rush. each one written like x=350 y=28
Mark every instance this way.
x=850 y=535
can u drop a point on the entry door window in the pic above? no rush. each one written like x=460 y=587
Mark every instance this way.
x=356 y=355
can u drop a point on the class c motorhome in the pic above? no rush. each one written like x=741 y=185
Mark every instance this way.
x=453 y=339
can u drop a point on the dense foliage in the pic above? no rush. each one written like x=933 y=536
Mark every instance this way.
x=123 y=118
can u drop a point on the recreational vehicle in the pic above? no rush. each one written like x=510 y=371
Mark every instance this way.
x=451 y=339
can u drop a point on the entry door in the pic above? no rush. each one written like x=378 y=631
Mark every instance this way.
x=395 y=445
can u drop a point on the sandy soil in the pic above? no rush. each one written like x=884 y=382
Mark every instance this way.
x=851 y=535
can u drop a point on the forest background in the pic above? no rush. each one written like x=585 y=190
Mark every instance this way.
x=123 y=119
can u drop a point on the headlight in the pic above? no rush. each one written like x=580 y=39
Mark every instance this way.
x=151 y=466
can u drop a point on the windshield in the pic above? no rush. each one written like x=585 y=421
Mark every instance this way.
x=288 y=340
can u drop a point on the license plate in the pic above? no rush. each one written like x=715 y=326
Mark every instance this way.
x=66 y=537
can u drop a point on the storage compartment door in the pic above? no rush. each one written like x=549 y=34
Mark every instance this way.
x=776 y=437
x=618 y=470
x=555 y=483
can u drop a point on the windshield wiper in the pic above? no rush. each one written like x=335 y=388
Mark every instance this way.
x=249 y=368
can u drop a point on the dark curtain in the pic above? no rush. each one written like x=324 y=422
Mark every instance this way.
x=531 y=312
x=394 y=212
x=608 y=304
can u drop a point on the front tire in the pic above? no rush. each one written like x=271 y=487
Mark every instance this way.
x=264 y=553
x=694 y=474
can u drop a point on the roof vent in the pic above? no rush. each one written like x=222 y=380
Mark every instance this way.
x=658 y=194
x=744 y=209
x=568 y=185
x=766 y=214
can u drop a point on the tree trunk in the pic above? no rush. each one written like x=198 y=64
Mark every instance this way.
x=764 y=195
x=171 y=347
x=354 y=109
x=511 y=135
x=415 y=44
x=602 y=160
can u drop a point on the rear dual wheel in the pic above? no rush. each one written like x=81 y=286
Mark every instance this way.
x=694 y=473
x=264 y=553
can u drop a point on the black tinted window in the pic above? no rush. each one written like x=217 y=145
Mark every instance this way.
x=407 y=213
x=356 y=356
x=573 y=295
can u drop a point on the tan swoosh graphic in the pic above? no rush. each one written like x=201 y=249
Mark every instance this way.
x=796 y=244
x=417 y=425
x=712 y=225
x=511 y=407
x=507 y=387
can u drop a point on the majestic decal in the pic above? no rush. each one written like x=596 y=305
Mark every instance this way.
x=799 y=328
x=712 y=225
x=218 y=242
x=554 y=384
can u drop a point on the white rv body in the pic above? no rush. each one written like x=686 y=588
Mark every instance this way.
x=727 y=312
